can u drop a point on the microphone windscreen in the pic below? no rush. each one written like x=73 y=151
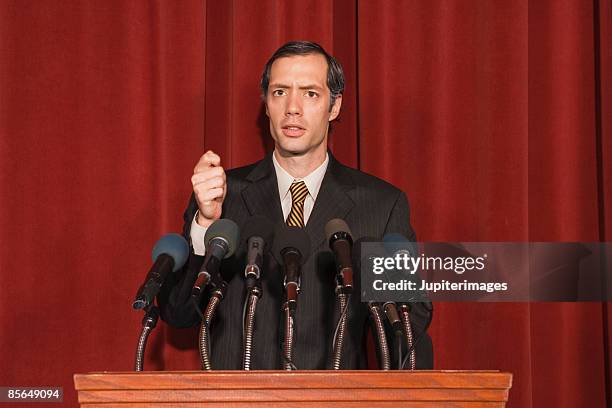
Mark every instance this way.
x=259 y=226
x=226 y=229
x=394 y=242
x=173 y=245
x=334 y=226
x=291 y=237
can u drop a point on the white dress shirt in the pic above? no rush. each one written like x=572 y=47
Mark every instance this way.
x=284 y=179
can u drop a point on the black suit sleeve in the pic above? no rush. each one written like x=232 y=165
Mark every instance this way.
x=399 y=219
x=399 y=222
x=174 y=299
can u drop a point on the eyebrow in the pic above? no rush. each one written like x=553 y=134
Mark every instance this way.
x=307 y=86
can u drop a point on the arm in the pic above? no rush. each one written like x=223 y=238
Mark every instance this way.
x=174 y=297
x=204 y=208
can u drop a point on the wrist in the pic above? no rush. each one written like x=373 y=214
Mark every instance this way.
x=203 y=221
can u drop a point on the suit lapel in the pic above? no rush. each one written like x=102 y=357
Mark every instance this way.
x=261 y=194
x=332 y=201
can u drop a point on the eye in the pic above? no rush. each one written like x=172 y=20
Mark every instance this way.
x=278 y=92
x=312 y=94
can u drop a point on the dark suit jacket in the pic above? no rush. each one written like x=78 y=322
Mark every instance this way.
x=371 y=208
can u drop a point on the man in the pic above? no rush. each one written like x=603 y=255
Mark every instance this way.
x=299 y=184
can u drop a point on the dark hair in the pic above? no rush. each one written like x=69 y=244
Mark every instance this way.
x=335 y=75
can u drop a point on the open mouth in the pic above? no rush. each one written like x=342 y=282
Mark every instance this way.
x=293 y=130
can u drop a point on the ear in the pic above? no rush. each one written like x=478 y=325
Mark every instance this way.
x=335 y=110
x=267 y=111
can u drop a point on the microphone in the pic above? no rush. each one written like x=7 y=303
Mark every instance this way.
x=292 y=246
x=169 y=254
x=397 y=243
x=393 y=317
x=258 y=234
x=340 y=241
x=221 y=240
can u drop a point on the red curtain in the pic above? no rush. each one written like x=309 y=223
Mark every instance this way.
x=493 y=116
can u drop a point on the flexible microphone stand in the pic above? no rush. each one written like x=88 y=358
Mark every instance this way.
x=288 y=310
x=148 y=324
x=288 y=318
x=344 y=288
x=292 y=290
x=405 y=316
x=209 y=313
x=254 y=292
x=379 y=329
x=294 y=245
x=342 y=302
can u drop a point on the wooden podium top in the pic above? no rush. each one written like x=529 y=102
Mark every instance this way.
x=294 y=388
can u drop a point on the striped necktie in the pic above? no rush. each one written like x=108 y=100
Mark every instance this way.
x=299 y=191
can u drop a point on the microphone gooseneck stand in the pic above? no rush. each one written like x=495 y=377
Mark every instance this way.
x=258 y=234
x=254 y=293
x=341 y=243
x=148 y=324
x=342 y=302
x=422 y=334
x=288 y=317
x=209 y=313
x=293 y=259
x=379 y=329
x=395 y=321
x=405 y=316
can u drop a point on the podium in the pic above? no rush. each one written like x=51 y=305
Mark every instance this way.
x=311 y=389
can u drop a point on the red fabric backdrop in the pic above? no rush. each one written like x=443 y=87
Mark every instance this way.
x=493 y=116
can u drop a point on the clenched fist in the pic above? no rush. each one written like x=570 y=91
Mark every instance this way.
x=209 y=187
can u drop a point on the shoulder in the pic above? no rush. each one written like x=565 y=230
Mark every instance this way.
x=240 y=177
x=241 y=173
x=380 y=207
x=365 y=183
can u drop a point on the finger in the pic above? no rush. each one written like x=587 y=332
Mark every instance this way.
x=215 y=182
x=204 y=165
x=207 y=197
x=216 y=171
x=199 y=178
x=210 y=158
x=207 y=174
x=206 y=184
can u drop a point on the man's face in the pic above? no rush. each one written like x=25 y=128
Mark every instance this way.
x=297 y=104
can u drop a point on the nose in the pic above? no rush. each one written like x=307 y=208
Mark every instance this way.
x=294 y=105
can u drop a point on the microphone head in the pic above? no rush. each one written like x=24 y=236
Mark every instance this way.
x=259 y=226
x=291 y=237
x=337 y=228
x=394 y=242
x=394 y=237
x=175 y=246
x=227 y=230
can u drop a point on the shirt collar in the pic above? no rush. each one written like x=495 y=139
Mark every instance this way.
x=313 y=180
